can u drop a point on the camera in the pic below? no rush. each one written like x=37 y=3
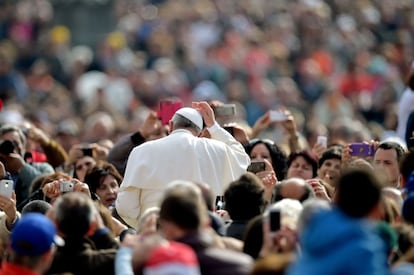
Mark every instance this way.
x=256 y=166
x=66 y=186
x=6 y=147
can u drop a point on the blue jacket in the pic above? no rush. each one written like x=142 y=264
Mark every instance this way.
x=334 y=243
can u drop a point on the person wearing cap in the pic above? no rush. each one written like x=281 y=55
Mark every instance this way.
x=181 y=155
x=32 y=247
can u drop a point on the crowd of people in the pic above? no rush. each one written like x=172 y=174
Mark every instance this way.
x=308 y=170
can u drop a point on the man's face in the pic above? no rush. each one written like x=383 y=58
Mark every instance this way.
x=386 y=161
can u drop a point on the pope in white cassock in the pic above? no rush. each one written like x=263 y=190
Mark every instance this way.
x=181 y=155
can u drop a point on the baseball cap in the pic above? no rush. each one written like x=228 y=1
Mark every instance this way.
x=171 y=258
x=191 y=114
x=33 y=235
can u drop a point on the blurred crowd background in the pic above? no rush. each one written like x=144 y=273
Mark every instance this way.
x=339 y=66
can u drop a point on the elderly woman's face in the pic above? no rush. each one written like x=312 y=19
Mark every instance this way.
x=260 y=152
x=300 y=168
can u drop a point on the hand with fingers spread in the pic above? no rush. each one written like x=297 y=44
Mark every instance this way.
x=261 y=124
x=206 y=112
x=151 y=126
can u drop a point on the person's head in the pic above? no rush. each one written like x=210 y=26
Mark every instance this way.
x=259 y=149
x=32 y=242
x=310 y=208
x=74 y=214
x=16 y=136
x=358 y=193
x=293 y=188
x=155 y=255
x=387 y=159
x=36 y=206
x=302 y=164
x=330 y=164
x=82 y=165
x=182 y=210
x=103 y=179
x=244 y=197
x=187 y=118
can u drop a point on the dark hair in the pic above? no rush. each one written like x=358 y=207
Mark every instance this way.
x=407 y=164
x=389 y=145
x=74 y=214
x=358 y=192
x=334 y=152
x=36 y=206
x=308 y=156
x=253 y=237
x=96 y=175
x=244 y=197
x=278 y=156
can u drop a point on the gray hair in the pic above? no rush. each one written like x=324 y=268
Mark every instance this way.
x=180 y=121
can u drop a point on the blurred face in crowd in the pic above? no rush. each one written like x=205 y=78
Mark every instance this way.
x=14 y=137
x=300 y=168
x=82 y=165
x=108 y=190
x=387 y=162
x=260 y=152
x=330 y=170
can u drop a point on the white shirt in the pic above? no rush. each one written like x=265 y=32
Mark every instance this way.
x=179 y=156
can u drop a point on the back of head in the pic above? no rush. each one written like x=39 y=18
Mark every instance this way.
x=358 y=192
x=188 y=118
x=244 y=197
x=293 y=188
x=74 y=214
x=183 y=205
x=36 y=206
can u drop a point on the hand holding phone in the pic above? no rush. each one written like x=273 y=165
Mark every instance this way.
x=322 y=140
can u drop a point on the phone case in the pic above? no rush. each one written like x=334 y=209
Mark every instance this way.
x=277 y=116
x=361 y=149
x=168 y=109
x=225 y=110
x=6 y=188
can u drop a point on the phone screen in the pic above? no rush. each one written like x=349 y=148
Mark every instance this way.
x=168 y=109
x=225 y=110
x=274 y=219
x=6 y=188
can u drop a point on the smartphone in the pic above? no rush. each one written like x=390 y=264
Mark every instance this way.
x=277 y=116
x=362 y=149
x=323 y=140
x=168 y=109
x=274 y=220
x=225 y=110
x=256 y=166
x=66 y=186
x=6 y=188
